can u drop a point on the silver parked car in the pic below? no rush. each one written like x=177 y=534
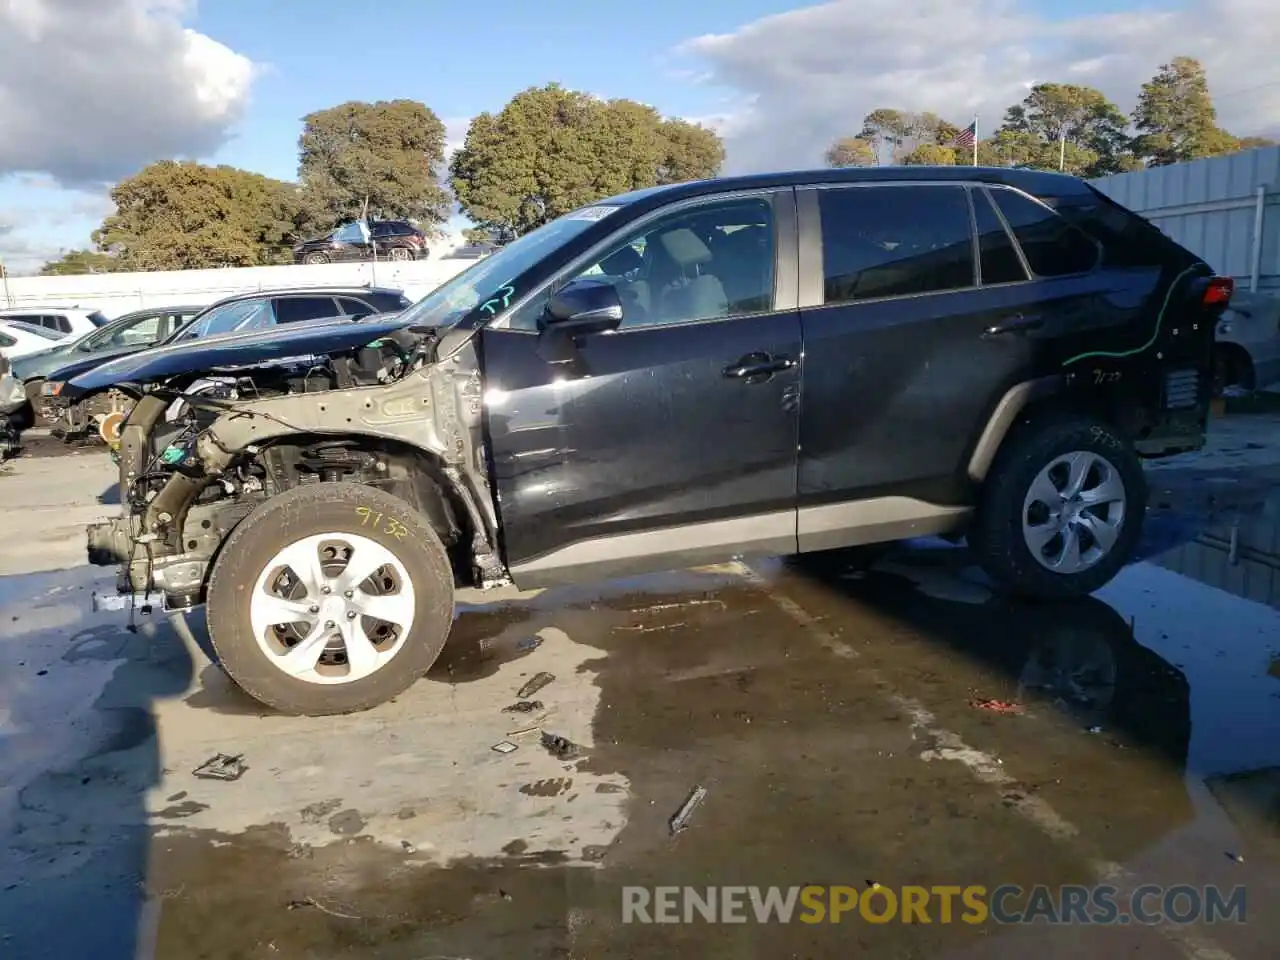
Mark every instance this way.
x=1247 y=346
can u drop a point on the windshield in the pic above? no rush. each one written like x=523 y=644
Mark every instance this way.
x=487 y=283
x=44 y=332
x=228 y=318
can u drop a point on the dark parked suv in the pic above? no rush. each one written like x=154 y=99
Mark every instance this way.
x=791 y=363
x=388 y=239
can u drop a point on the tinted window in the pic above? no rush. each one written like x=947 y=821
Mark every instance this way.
x=97 y=319
x=1000 y=263
x=354 y=308
x=894 y=241
x=703 y=263
x=298 y=309
x=33 y=319
x=230 y=317
x=1128 y=240
x=1052 y=246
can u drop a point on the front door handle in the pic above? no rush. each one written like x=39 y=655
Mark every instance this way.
x=1018 y=323
x=754 y=366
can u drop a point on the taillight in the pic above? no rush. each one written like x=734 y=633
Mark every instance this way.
x=1217 y=291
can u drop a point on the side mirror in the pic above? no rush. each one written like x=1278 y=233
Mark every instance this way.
x=584 y=306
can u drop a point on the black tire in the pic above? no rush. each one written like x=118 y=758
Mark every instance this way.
x=328 y=508
x=400 y=254
x=997 y=537
x=316 y=258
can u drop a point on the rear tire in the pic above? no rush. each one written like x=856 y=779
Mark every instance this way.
x=401 y=254
x=264 y=606
x=316 y=258
x=1029 y=518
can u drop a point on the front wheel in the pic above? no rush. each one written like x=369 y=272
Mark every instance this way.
x=330 y=599
x=316 y=258
x=1062 y=510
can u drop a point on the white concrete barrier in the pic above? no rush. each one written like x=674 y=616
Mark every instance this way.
x=117 y=293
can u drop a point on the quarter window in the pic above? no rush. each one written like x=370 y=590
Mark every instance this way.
x=894 y=241
x=703 y=263
x=1052 y=246
x=1000 y=263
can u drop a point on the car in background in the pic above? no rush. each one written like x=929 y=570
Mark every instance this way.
x=1247 y=343
x=64 y=321
x=257 y=310
x=124 y=334
x=19 y=339
x=387 y=239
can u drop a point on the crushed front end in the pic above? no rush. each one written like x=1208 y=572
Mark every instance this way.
x=198 y=453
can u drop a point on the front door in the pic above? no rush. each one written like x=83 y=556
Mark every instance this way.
x=672 y=440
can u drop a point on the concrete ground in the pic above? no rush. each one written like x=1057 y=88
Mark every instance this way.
x=832 y=715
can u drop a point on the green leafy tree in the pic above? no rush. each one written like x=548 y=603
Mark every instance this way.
x=931 y=155
x=1176 y=119
x=851 y=152
x=1091 y=127
x=1015 y=148
x=887 y=130
x=1253 y=143
x=379 y=160
x=182 y=216
x=78 y=262
x=551 y=150
x=688 y=151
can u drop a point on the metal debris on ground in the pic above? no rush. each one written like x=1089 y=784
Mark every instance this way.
x=1236 y=857
x=221 y=767
x=680 y=819
x=506 y=746
x=311 y=902
x=523 y=706
x=561 y=747
x=536 y=683
x=1095 y=730
x=996 y=706
x=529 y=643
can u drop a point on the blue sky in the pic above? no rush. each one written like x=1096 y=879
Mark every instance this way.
x=793 y=85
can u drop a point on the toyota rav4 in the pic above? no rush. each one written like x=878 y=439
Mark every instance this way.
x=790 y=363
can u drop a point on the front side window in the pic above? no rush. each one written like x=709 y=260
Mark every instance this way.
x=300 y=309
x=351 y=233
x=894 y=241
x=1052 y=246
x=707 y=262
x=230 y=317
x=140 y=332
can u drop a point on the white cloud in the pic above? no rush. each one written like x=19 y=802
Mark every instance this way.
x=93 y=90
x=806 y=77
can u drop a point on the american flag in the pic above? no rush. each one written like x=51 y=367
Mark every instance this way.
x=968 y=136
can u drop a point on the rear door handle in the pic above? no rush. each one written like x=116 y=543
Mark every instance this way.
x=755 y=365
x=1018 y=323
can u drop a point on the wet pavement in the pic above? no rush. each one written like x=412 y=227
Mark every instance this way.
x=897 y=726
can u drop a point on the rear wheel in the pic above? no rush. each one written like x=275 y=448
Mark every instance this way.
x=1062 y=509
x=330 y=599
x=400 y=253
x=316 y=258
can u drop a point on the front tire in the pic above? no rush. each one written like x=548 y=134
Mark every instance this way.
x=330 y=599
x=1062 y=509
x=316 y=258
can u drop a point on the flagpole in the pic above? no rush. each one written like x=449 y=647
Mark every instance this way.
x=975 y=139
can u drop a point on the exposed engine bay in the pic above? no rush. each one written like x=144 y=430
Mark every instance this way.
x=202 y=448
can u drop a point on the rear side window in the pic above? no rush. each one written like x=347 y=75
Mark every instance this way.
x=1052 y=246
x=299 y=309
x=1128 y=239
x=894 y=241
x=1000 y=262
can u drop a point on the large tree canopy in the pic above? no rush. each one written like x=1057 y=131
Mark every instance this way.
x=1175 y=116
x=550 y=150
x=381 y=159
x=184 y=216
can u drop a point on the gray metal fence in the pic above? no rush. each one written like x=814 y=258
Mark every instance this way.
x=1224 y=209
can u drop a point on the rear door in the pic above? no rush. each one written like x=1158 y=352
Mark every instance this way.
x=914 y=306
x=671 y=440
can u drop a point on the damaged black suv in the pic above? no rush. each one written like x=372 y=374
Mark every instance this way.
x=791 y=363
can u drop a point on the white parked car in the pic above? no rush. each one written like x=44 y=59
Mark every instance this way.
x=17 y=339
x=1247 y=344
x=64 y=321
